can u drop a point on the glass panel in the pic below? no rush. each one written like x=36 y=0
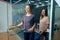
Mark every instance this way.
x=18 y=11
x=57 y=21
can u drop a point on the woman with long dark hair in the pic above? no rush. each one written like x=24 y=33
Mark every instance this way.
x=44 y=22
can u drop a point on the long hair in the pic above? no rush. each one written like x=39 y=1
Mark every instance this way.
x=45 y=12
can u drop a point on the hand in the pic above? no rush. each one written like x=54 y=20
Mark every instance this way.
x=30 y=30
x=12 y=27
x=41 y=32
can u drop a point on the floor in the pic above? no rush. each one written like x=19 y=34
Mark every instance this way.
x=13 y=36
x=6 y=36
x=57 y=35
x=3 y=36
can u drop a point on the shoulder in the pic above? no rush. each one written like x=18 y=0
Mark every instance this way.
x=47 y=17
x=33 y=15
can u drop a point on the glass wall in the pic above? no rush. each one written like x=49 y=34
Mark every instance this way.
x=18 y=11
x=57 y=21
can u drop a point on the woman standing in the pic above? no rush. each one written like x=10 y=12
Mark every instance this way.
x=29 y=23
x=44 y=23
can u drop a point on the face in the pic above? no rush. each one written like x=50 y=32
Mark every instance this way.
x=43 y=12
x=28 y=10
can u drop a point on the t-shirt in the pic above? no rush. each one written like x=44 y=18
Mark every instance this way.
x=43 y=23
x=28 y=22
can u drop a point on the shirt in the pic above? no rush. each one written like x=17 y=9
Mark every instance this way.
x=28 y=22
x=43 y=22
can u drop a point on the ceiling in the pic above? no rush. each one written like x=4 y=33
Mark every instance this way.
x=31 y=1
x=35 y=2
x=13 y=1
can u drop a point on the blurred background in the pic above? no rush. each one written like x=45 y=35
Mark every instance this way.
x=12 y=11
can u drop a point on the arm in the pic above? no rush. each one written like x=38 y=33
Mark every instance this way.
x=47 y=24
x=19 y=25
x=33 y=26
x=46 y=27
x=12 y=27
x=31 y=29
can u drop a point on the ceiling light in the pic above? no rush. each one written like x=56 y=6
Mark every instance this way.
x=43 y=5
x=35 y=3
x=46 y=1
x=32 y=1
x=37 y=6
x=40 y=3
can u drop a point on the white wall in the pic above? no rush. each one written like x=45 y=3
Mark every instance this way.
x=5 y=16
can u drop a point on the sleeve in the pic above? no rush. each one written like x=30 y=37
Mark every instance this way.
x=47 y=20
x=34 y=19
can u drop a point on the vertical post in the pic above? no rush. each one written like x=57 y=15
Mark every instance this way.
x=7 y=23
x=52 y=18
x=48 y=8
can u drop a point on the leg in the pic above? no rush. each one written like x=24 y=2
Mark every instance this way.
x=26 y=36
x=31 y=36
x=44 y=34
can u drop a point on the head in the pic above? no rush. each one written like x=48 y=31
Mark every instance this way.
x=44 y=12
x=28 y=8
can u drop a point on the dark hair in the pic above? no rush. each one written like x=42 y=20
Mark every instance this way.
x=29 y=5
x=45 y=12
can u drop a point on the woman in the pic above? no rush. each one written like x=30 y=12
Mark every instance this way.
x=29 y=24
x=44 y=22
